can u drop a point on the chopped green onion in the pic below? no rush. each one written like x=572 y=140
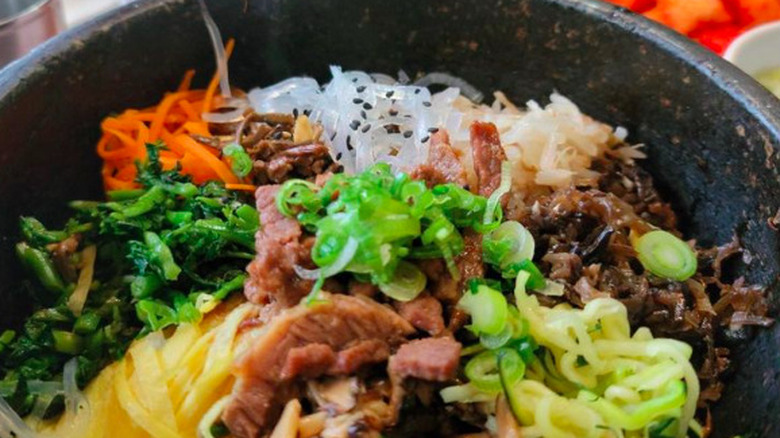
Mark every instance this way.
x=294 y=193
x=511 y=367
x=406 y=284
x=508 y=244
x=482 y=372
x=488 y=309
x=666 y=256
x=492 y=342
x=472 y=350
x=240 y=162
x=391 y=218
x=535 y=281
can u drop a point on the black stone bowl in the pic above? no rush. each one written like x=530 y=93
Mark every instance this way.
x=713 y=134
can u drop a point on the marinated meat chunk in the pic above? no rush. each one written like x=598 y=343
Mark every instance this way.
x=443 y=165
x=424 y=313
x=469 y=261
x=488 y=155
x=433 y=359
x=335 y=337
x=281 y=245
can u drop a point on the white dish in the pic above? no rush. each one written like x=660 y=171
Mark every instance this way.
x=756 y=50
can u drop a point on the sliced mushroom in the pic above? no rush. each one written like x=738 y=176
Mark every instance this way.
x=337 y=396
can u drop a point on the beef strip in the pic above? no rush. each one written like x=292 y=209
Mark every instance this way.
x=424 y=313
x=432 y=359
x=429 y=359
x=281 y=245
x=443 y=165
x=335 y=338
x=488 y=155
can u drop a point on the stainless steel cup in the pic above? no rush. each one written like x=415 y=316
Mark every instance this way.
x=26 y=23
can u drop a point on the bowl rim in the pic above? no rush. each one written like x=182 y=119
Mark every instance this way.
x=734 y=82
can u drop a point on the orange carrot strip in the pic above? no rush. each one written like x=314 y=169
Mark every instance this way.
x=212 y=88
x=163 y=109
x=143 y=135
x=117 y=153
x=128 y=142
x=193 y=166
x=122 y=124
x=127 y=173
x=112 y=183
x=171 y=142
x=187 y=108
x=200 y=151
x=186 y=81
x=197 y=128
x=168 y=163
x=245 y=187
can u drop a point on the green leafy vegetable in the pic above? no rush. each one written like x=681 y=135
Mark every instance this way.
x=162 y=252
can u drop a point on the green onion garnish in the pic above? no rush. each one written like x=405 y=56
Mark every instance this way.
x=373 y=222
x=482 y=372
x=665 y=255
x=488 y=309
x=510 y=243
x=240 y=162
x=406 y=284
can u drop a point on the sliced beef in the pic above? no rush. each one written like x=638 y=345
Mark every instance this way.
x=469 y=261
x=440 y=283
x=281 y=245
x=429 y=359
x=432 y=359
x=334 y=338
x=424 y=313
x=443 y=165
x=277 y=161
x=488 y=155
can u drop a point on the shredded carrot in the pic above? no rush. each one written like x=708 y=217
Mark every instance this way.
x=186 y=81
x=173 y=120
x=244 y=187
x=200 y=151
